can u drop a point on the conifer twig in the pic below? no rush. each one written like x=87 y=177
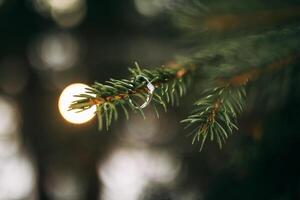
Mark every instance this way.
x=170 y=84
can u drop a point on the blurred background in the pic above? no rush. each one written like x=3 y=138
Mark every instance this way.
x=46 y=45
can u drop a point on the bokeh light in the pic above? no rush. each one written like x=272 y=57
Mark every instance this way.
x=58 y=58
x=70 y=18
x=9 y=128
x=65 y=100
x=56 y=51
x=66 y=13
x=9 y=146
x=59 y=51
x=128 y=172
x=17 y=171
x=63 y=5
x=151 y=8
x=9 y=122
x=17 y=178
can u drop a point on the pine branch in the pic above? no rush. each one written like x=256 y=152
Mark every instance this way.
x=226 y=67
x=109 y=98
x=215 y=114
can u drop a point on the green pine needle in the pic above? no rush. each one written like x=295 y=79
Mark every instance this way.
x=215 y=114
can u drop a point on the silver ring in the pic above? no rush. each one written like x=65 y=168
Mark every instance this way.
x=151 y=89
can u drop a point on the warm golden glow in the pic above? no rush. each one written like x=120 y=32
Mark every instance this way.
x=65 y=100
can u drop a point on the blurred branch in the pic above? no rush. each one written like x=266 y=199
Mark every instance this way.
x=227 y=22
x=195 y=17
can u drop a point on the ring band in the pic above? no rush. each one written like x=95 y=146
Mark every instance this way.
x=151 y=89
